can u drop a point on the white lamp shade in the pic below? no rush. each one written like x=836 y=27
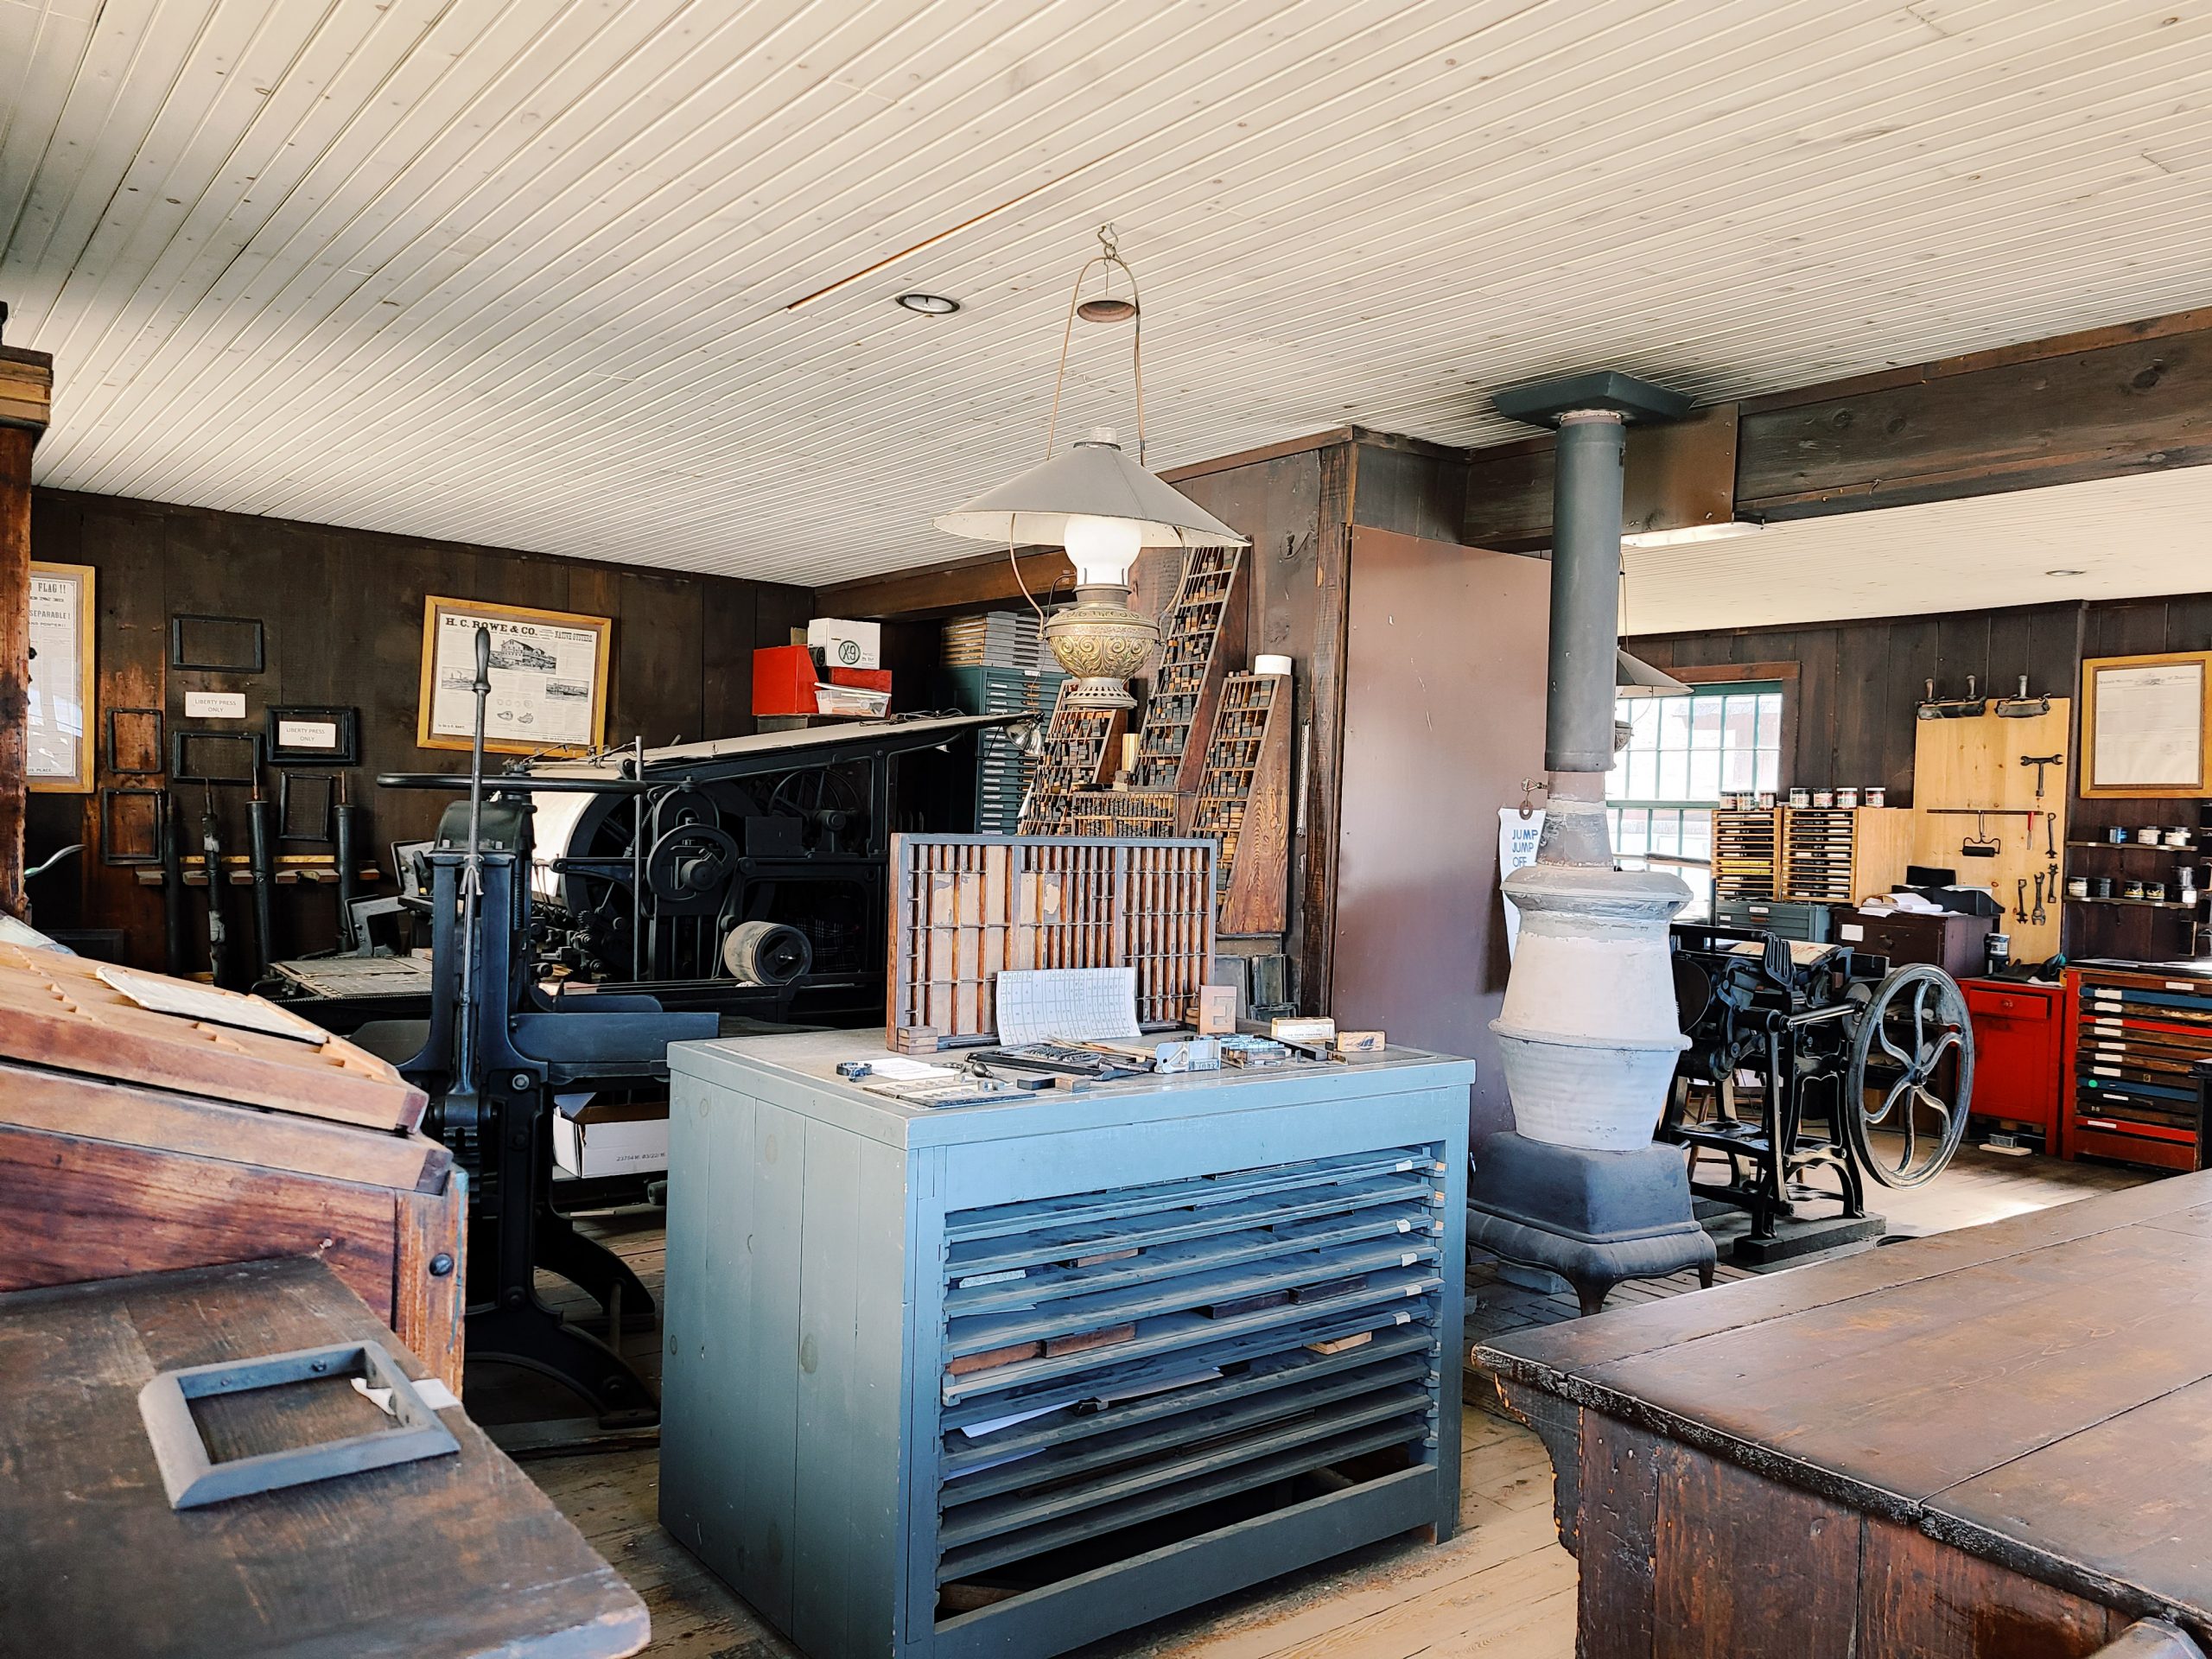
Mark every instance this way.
x=1093 y=481
x=1102 y=549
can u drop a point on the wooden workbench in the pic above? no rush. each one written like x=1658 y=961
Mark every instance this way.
x=453 y=1555
x=1994 y=1441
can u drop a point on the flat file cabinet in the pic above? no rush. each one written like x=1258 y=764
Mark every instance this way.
x=1004 y=1379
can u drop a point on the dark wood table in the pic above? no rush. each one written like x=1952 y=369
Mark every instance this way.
x=453 y=1555
x=1996 y=1441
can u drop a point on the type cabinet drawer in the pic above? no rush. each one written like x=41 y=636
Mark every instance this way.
x=2019 y=1051
x=2137 y=1031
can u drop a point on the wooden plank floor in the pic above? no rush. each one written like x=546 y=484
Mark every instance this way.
x=1502 y=1586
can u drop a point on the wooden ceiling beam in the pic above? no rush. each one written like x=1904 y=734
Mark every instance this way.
x=2103 y=402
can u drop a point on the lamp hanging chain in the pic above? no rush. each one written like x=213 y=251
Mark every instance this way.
x=1109 y=257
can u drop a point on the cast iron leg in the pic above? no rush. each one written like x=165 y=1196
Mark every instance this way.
x=506 y=1320
x=591 y=1267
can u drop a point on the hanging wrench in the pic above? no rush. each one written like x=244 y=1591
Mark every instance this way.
x=2037 y=918
x=2020 y=899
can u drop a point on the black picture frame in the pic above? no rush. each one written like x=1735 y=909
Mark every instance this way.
x=185 y=741
x=112 y=799
x=304 y=800
x=345 y=752
x=193 y=643
x=152 y=747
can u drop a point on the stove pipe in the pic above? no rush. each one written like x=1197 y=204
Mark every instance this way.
x=1588 y=1029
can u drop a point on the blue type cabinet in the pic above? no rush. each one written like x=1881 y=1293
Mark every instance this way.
x=1004 y=1379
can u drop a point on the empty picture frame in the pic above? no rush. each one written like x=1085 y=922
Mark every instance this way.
x=134 y=742
x=303 y=802
x=132 y=824
x=231 y=644
x=191 y=1476
x=304 y=734
x=209 y=757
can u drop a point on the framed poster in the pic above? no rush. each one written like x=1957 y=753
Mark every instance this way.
x=2145 y=722
x=61 y=759
x=548 y=678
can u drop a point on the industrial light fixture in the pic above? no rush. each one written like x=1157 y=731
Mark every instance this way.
x=1104 y=508
x=1634 y=678
x=1686 y=535
x=930 y=305
x=2064 y=573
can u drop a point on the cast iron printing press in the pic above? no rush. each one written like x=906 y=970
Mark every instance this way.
x=659 y=891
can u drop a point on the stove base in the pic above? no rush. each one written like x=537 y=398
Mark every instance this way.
x=1595 y=1219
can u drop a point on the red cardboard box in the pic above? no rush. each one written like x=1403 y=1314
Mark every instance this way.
x=783 y=680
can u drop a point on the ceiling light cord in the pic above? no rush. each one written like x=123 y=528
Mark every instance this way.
x=1109 y=257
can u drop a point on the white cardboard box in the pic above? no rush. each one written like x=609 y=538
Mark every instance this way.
x=847 y=645
x=615 y=1139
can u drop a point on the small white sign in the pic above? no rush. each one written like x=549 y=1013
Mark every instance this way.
x=307 y=734
x=215 y=705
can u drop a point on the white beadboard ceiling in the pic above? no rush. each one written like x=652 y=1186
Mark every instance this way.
x=520 y=272
x=2114 y=538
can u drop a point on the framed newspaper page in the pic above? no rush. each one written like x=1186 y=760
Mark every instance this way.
x=548 y=678
x=62 y=687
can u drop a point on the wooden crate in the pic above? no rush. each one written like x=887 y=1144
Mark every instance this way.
x=133 y=1142
x=1838 y=855
x=1244 y=802
x=964 y=907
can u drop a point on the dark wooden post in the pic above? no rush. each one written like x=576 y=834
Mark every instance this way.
x=26 y=396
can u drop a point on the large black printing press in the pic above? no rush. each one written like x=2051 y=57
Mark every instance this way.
x=584 y=914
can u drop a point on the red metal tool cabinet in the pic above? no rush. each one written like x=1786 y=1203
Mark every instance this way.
x=2019 y=1053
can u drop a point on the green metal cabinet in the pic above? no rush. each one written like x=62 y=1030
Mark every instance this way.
x=1004 y=1379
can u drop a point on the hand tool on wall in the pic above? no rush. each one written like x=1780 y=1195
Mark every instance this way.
x=1981 y=844
x=2050 y=852
x=2022 y=707
x=261 y=859
x=2039 y=761
x=2037 y=916
x=346 y=818
x=1934 y=708
x=211 y=861
x=2020 y=900
x=174 y=957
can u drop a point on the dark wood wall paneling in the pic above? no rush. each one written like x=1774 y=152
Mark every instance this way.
x=1859 y=680
x=342 y=616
